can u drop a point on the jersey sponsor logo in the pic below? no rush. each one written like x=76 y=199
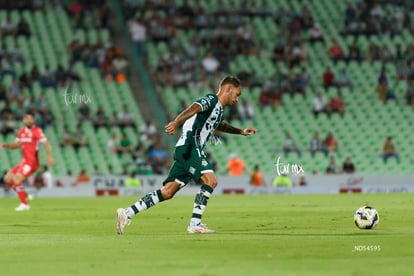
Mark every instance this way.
x=26 y=169
x=204 y=103
x=191 y=170
x=25 y=140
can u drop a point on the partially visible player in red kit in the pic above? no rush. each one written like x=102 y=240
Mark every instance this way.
x=28 y=140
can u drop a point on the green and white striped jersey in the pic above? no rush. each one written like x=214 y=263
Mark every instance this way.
x=201 y=126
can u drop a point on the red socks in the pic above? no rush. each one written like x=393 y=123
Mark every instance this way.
x=21 y=193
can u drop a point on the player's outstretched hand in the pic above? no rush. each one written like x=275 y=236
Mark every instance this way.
x=171 y=128
x=7 y=146
x=50 y=161
x=249 y=130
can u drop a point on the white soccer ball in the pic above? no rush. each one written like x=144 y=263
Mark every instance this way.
x=366 y=217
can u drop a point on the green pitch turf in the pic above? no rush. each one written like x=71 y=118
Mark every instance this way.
x=257 y=235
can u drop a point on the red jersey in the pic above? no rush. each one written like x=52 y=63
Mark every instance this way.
x=29 y=139
x=336 y=103
x=330 y=142
x=335 y=51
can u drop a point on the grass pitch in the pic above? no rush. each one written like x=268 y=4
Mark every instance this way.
x=257 y=235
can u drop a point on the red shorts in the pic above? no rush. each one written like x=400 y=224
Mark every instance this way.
x=26 y=169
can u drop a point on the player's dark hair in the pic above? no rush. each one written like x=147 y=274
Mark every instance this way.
x=230 y=80
x=30 y=112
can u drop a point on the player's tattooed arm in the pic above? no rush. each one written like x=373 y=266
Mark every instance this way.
x=172 y=126
x=226 y=127
x=189 y=112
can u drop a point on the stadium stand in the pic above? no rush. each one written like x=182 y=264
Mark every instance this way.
x=242 y=37
x=52 y=31
x=196 y=27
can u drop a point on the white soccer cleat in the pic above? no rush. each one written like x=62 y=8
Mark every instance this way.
x=121 y=221
x=22 y=207
x=199 y=229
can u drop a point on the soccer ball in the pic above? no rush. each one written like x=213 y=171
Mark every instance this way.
x=366 y=217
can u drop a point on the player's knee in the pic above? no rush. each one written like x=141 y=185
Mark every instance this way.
x=212 y=182
x=8 y=178
x=167 y=194
x=169 y=190
x=17 y=178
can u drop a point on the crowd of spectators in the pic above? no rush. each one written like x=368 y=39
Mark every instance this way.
x=107 y=57
x=198 y=60
x=317 y=145
x=184 y=37
x=190 y=58
x=16 y=95
x=381 y=18
x=214 y=38
x=19 y=97
x=21 y=5
x=374 y=51
x=335 y=105
x=144 y=155
x=76 y=139
x=20 y=28
x=99 y=120
x=290 y=47
x=376 y=18
x=281 y=84
x=86 y=14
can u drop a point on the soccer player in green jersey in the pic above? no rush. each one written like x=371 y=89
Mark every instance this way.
x=198 y=123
